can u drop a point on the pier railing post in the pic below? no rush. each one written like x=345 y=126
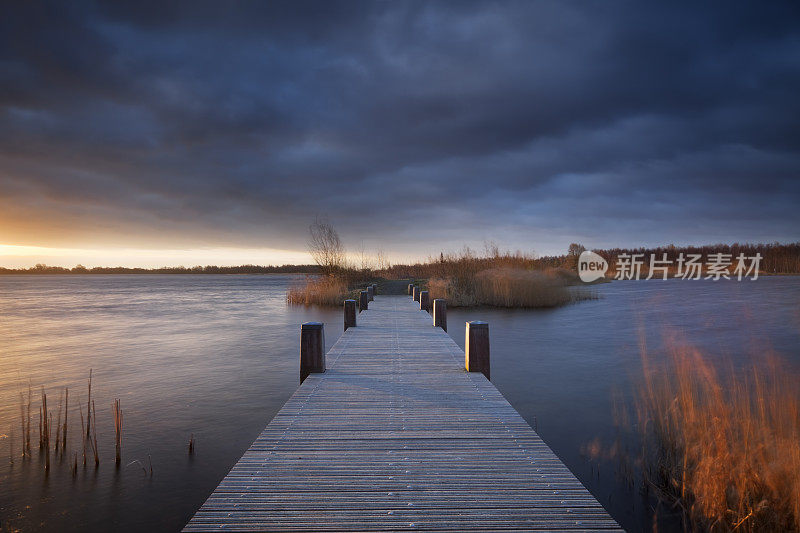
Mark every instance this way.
x=440 y=313
x=424 y=301
x=312 y=349
x=416 y=293
x=410 y=289
x=371 y=292
x=349 y=314
x=476 y=347
x=363 y=302
x=374 y=289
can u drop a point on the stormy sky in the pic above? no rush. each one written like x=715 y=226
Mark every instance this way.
x=414 y=127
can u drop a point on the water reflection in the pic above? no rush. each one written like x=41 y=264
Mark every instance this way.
x=217 y=356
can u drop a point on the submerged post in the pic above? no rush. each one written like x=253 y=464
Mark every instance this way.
x=363 y=302
x=312 y=349
x=371 y=292
x=349 y=314
x=410 y=289
x=416 y=293
x=476 y=347
x=424 y=301
x=440 y=313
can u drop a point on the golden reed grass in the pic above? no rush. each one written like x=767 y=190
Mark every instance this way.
x=508 y=287
x=323 y=290
x=725 y=448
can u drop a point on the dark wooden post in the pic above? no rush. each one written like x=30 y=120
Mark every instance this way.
x=349 y=314
x=363 y=302
x=371 y=292
x=440 y=313
x=312 y=349
x=374 y=289
x=416 y=293
x=410 y=289
x=424 y=301
x=476 y=347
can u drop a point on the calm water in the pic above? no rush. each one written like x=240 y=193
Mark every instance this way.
x=217 y=356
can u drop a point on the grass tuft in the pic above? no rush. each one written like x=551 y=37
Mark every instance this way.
x=324 y=290
x=725 y=450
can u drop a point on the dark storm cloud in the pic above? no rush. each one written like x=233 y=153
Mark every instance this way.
x=530 y=124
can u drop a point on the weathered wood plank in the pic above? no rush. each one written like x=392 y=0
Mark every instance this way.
x=396 y=436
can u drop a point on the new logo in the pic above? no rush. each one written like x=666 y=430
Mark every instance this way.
x=591 y=266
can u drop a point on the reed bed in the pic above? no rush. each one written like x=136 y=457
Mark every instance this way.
x=58 y=423
x=508 y=287
x=723 y=448
x=325 y=290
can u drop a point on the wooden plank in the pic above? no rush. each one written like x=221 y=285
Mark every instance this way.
x=396 y=436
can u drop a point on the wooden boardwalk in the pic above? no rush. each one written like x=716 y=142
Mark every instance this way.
x=395 y=435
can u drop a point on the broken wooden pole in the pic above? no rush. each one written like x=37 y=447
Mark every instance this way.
x=349 y=314
x=424 y=301
x=312 y=349
x=440 y=313
x=476 y=347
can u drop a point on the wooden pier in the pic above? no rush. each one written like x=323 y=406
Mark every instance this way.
x=395 y=435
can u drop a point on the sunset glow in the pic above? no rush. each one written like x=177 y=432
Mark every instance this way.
x=15 y=256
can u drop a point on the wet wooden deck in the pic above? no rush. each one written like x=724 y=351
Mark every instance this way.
x=397 y=436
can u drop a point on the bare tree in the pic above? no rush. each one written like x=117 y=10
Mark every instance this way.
x=325 y=246
x=364 y=259
x=575 y=249
x=382 y=261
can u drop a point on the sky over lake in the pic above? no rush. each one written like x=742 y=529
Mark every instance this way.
x=215 y=132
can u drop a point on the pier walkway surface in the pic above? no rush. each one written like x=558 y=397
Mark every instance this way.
x=397 y=436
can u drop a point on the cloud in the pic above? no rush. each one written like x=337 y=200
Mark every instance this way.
x=413 y=125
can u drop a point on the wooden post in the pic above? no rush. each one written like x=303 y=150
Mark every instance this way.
x=312 y=349
x=476 y=347
x=363 y=302
x=371 y=292
x=410 y=289
x=349 y=314
x=424 y=301
x=374 y=289
x=440 y=313
x=416 y=293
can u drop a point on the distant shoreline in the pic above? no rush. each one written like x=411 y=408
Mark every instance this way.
x=43 y=270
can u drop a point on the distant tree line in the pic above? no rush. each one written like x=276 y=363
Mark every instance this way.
x=776 y=258
x=208 y=269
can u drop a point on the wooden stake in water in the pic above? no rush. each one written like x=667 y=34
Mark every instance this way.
x=117 y=430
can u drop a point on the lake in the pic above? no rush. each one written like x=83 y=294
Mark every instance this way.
x=216 y=357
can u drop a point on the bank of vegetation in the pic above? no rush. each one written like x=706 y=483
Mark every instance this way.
x=719 y=448
x=725 y=449
x=464 y=279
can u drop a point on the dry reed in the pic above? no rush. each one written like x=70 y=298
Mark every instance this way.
x=117 y=411
x=89 y=406
x=66 y=412
x=83 y=437
x=28 y=429
x=58 y=423
x=22 y=421
x=725 y=451
x=94 y=435
x=325 y=290
x=507 y=287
